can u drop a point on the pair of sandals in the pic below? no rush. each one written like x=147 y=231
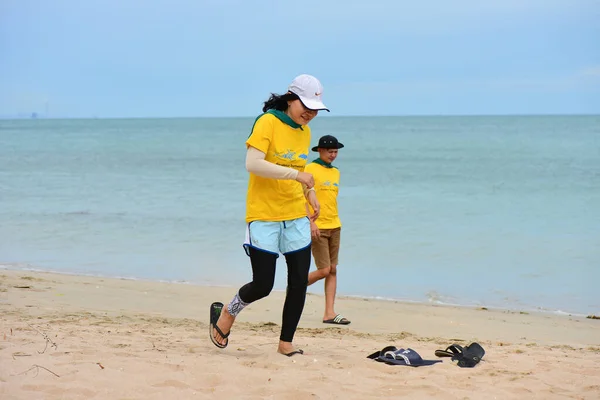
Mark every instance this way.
x=215 y=313
x=465 y=357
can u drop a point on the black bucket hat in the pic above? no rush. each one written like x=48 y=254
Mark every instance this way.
x=328 y=142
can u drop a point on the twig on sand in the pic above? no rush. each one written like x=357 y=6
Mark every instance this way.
x=48 y=340
x=19 y=354
x=37 y=370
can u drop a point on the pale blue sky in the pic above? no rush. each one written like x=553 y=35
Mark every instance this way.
x=155 y=58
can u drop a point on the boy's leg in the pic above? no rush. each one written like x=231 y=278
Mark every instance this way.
x=320 y=251
x=331 y=279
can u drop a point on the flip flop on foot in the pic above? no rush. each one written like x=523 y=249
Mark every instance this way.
x=292 y=353
x=337 y=320
x=215 y=313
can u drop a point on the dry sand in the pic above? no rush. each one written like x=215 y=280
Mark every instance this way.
x=78 y=337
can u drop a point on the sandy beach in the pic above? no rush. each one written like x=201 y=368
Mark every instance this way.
x=79 y=337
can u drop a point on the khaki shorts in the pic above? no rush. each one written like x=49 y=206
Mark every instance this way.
x=326 y=248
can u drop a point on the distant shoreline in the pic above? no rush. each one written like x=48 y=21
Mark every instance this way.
x=41 y=118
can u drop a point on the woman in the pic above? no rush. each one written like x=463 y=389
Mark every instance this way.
x=278 y=189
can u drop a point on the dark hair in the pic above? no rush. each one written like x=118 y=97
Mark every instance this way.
x=279 y=101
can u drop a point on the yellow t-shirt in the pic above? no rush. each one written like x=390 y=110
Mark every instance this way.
x=277 y=199
x=327 y=185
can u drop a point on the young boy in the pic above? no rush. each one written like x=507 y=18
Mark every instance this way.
x=325 y=231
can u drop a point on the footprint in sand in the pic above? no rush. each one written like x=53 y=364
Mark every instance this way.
x=172 y=383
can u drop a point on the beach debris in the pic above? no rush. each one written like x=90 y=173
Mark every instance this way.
x=100 y=365
x=19 y=354
x=483 y=308
x=48 y=340
x=156 y=348
x=37 y=370
x=22 y=287
x=241 y=349
x=593 y=316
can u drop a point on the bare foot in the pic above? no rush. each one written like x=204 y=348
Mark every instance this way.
x=224 y=323
x=287 y=349
x=328 y=316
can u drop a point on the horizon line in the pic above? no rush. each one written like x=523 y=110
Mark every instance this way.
x=39 y=117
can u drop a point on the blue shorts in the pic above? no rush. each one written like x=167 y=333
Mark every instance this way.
x=278 y=237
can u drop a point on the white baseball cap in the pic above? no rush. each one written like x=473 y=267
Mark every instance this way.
x=310 y=91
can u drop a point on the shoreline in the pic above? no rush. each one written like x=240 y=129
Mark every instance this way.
x=73 y=336
x=223 y=293
x=523 y=310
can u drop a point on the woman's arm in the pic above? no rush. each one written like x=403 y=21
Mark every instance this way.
x=256 y=163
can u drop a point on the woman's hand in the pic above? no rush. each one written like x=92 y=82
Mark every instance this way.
x=314 y=203
x=306 y=179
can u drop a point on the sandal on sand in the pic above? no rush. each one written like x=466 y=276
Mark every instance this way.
x=215 y=313
x=337 y=320
x=466 y=357
x=451 y=351
x=393 y=356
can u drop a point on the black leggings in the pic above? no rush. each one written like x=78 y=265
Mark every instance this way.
x=263 y=278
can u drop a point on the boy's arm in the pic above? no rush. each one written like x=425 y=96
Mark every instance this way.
x=314 y=229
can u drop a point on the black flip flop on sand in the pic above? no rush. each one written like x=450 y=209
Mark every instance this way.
x=215 y=313
x=293 y=353
x=466 y=357
x=337 y=320
x=451 y=351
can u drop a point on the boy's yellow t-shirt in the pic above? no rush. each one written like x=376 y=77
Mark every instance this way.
x=277 y=199
x=327 y=184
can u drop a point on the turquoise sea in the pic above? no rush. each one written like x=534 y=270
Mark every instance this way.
x=491 y=211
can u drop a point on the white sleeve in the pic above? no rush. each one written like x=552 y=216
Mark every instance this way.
x=256 y=163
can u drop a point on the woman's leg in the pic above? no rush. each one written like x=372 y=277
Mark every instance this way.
x=298 y=263
x=263 y=278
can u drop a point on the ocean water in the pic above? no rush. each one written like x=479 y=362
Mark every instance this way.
x=490 y=211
